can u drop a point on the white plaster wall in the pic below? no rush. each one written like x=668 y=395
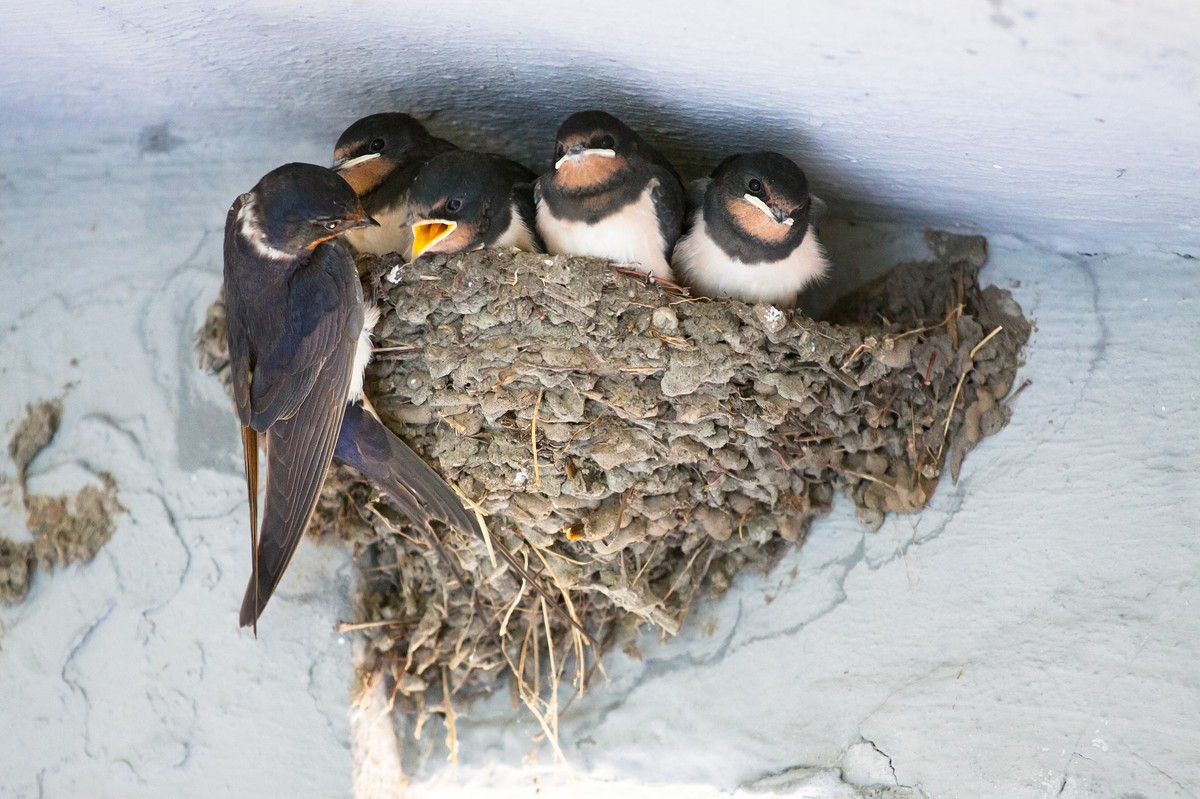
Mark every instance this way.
x=1037 y=636
x=1073 y=119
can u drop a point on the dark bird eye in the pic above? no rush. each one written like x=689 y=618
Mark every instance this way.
x=755 y=185
x=454 y=205
x=332 y=224
x=376 y=145
x=608 y=143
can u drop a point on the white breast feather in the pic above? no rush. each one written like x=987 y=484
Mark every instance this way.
x=705 y=266
x=363 y=352
x=517 y=235
x=630 y=236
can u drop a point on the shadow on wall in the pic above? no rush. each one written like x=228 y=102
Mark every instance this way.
x=519 y=115
x=516 y=112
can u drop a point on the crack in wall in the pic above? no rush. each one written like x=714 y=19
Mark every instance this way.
x=888 y=758
x=74 y=684
x=1184 y=790
x=847 y=565
x=173 y=524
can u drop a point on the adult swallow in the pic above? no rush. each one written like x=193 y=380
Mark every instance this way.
x=463 y=200
x=751 y=235
x=379 y=156
x=610 y=195
x=299 y=342
x=295 y=318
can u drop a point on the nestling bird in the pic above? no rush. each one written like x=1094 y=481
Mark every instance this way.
x=463 y=200
x=379 y=155
x=299 y=340
x=751 y=235
x=610 y=195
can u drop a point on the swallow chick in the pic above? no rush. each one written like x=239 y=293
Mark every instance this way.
x=379 y=155
x=610 y=195
x=463 y=200
x=751 y=235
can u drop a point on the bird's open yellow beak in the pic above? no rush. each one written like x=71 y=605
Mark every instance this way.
x=428 y=232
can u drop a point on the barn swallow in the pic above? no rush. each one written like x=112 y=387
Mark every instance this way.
x=751 y=235
x=299 y=341
x=610 y=195
x=379 y=156
x=463 y=200
x=295 y=317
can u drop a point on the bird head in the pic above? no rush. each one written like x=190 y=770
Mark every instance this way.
x=461 y=200
x=763 y=195
x=298 y=206
x=375 y=146
x=591 y=152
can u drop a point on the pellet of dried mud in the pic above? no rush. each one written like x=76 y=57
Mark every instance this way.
x=69 y=528
x=635 y=446
x=33 y=433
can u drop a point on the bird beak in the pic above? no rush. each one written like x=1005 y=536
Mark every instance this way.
x=577 y=153
x=428 y=232
x=775 y=214
x=361 y=222
x=342 y=164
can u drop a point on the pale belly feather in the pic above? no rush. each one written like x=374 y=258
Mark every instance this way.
x=705 y=267
x=630 y=236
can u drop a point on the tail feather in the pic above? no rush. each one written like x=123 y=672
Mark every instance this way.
x=299 y=450
x=367 y=445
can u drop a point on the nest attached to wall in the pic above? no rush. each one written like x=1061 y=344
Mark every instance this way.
x=635 y=446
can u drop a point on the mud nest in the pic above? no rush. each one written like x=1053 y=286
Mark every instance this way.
x=635 y=446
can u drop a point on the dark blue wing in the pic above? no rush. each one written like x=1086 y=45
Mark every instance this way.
x=322 y=306
x=668 y=206
x=298 y=394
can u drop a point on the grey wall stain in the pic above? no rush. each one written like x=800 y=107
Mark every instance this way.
x=158 y=139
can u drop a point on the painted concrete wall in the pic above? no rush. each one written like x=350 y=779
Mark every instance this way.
x=1033 y=634
x=1072 y=120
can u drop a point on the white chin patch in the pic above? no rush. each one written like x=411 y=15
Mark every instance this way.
x=583 y=155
